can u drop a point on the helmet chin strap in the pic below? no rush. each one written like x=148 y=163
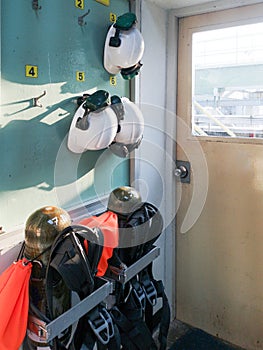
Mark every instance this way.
x=129 y=73
x=118 y=108
x=115 y=40
x=124 y=22
x=122 y=150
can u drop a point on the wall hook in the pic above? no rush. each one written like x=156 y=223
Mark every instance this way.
x=81 y=19
x=36 y=102
x=35 y=5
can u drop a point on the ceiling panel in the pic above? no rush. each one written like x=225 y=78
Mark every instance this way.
x=176 y=4
x=185 y=7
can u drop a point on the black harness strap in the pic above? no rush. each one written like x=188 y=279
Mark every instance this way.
x=134 y=335
x=161 y=317
x=165 y=316
x=84 y=335
x=134 y=316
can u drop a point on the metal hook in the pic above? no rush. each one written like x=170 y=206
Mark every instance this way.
x=81 y=19
x=36 y=100
x=35 y=5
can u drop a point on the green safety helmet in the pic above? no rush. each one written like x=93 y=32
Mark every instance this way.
x=124 y=200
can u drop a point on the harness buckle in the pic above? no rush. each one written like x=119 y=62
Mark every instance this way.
x=102 y=325
x=139 y=294
x=150 y=292
x=36 y=329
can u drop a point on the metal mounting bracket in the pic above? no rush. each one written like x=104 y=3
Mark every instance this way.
x=126 y=274
x=59 y=324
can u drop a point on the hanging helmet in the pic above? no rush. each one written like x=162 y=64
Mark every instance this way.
x=124 y=47
x=124 y=200
x=94 y=124
x=130 y=130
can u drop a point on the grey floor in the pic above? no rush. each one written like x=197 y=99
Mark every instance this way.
x=178 y=329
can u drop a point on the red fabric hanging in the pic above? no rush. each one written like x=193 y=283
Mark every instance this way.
x=108 y=223
x=14 y=304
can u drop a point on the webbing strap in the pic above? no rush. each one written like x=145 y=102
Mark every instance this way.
x=165 y=315
x=134 y=334
x=114 y=343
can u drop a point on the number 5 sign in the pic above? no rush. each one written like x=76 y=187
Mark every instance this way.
x=80 y=76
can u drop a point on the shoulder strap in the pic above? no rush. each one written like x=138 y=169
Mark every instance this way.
x=163 y=315
x=70 y=266
x=134 y=333
x=95 y=238
x=138 y=232
x=69 y=260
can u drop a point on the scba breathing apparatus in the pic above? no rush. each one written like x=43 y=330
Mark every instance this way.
x=72 y=258
x=102 y=122
x=124 y=47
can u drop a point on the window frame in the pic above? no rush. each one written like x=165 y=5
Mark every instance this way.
x=193 y=24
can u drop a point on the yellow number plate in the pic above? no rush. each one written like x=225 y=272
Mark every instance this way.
x=80 y=76
x=79 y=4
x=113 y=80
x=113 y=17
x=31 y=71
x=104 y=2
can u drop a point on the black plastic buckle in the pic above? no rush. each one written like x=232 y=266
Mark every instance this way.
x=139 y=294
x=115 y=40
x=150 y=292
x=102 y=326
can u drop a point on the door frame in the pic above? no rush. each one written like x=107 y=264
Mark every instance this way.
x=220 y=19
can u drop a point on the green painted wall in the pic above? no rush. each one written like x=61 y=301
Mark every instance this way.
x=37 y=169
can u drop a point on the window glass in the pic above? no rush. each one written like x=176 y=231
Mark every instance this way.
x=228 y=82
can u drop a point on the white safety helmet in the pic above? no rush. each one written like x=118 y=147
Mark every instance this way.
x=130 y=130
x=124 y=47
x=94 y=125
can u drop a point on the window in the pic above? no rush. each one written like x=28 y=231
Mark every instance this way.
x=227 y=97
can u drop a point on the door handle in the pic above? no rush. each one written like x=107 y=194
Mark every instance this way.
x=182 y=171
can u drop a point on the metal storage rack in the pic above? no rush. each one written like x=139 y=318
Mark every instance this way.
x=105 y=289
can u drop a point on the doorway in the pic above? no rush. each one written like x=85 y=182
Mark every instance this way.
x=219 y=264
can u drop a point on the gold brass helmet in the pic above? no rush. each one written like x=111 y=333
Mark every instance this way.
x=124 y=200
x=41 y=229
